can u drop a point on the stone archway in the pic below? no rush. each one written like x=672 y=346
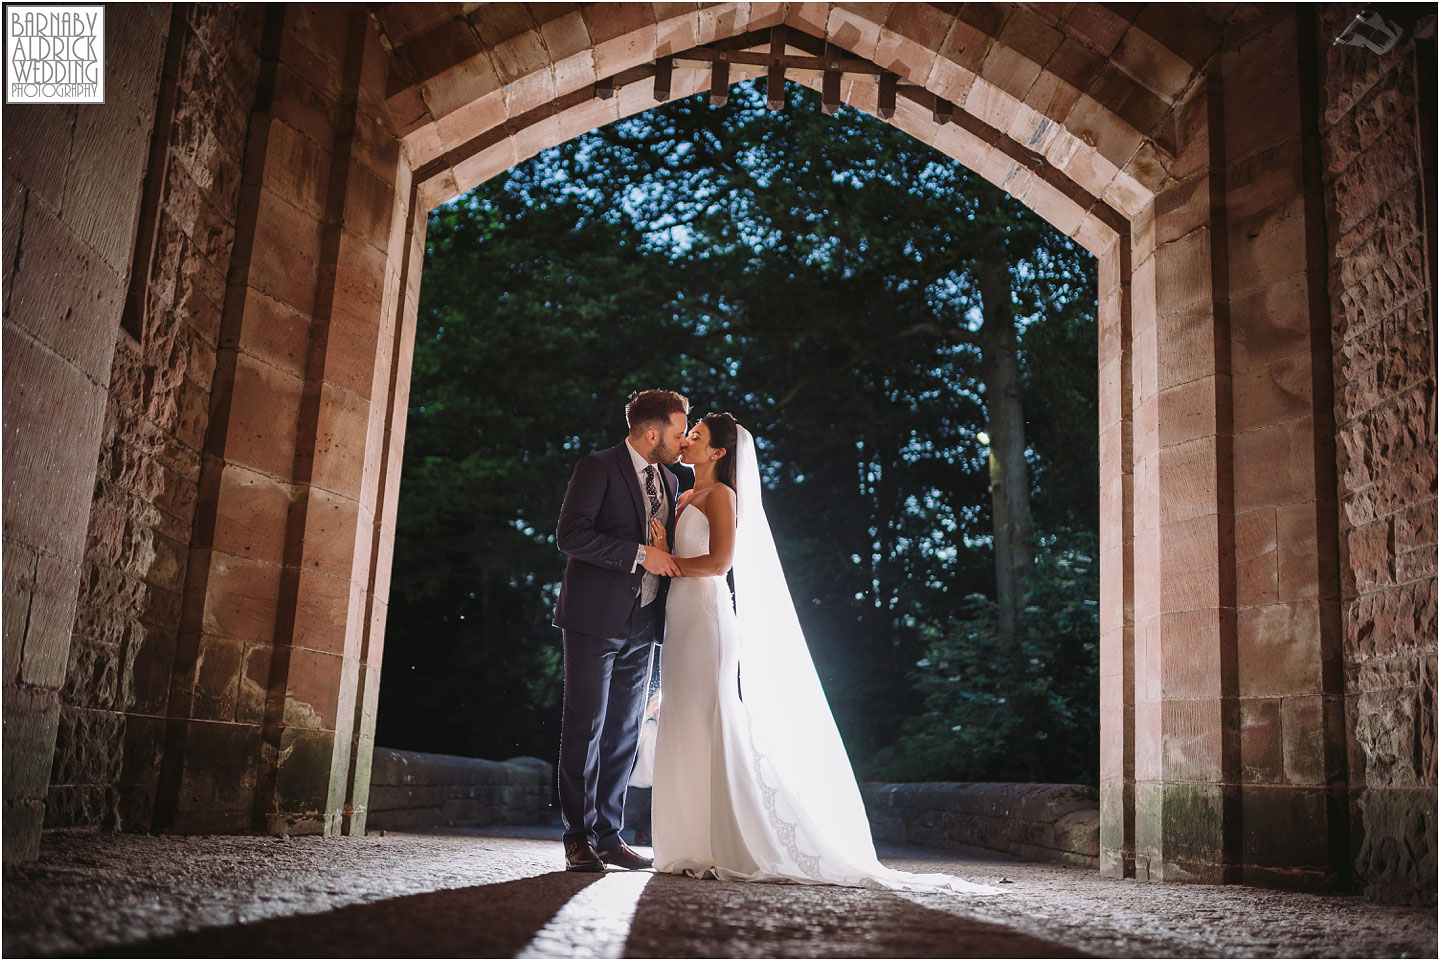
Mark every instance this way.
x=1180 y=147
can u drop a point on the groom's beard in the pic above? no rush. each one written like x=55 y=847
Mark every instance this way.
x=660 y=454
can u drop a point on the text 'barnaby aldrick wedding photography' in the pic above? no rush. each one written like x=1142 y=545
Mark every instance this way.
x=55 y=54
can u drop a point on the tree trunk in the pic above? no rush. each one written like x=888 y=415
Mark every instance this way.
x=1009 y=473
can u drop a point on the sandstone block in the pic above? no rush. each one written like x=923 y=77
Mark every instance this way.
x=107 y=165
x=1275 y=392
x=240 y=597
x=1192 y=739
x=264 y=412
x=1384 y=233
x=336 y=461
x=296 y=168
x=1313 y=734
x=285 y=254
x=1306 y=552
x=1098 y=26
x=1261 y=751
x=87 y=747
x=303 y=783
x=1286 y=828
x=1394 y=831
x=1256 y=558
x=1274 y=464
x=1399 y=620
x=1409 y=344
x=1393 y=724
x=140 y=772
x=38 y=159
x=50 y=619
x=303 y=107
x=312 y=690
x=82 y=805
x=1387 y=170
x=1279 y=649
x=1192 y=818
x=79 y=318
x=1368 y=558
x=310 y=43
x=251 y=514
x=217 y=678
x=1190 y=563
x=1159 y=69
x=149 y=661
x=219 y=776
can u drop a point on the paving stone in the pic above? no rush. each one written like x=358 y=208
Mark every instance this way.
x=487 y=893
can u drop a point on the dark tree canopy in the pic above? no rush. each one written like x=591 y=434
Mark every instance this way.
x=816 y=276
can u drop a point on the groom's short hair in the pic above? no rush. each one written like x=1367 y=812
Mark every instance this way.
x=654 y=407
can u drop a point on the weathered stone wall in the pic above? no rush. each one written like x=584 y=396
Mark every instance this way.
x=1036 y=822
x=1383 y=325
x=410 y=790
x=71 y=177
x=122 y=650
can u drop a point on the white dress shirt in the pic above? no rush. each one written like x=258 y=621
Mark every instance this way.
x=640 y=463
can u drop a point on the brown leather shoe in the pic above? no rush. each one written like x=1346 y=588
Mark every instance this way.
x=623 y=857
x=580 y=856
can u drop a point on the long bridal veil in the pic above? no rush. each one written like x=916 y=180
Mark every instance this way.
x=810 y=794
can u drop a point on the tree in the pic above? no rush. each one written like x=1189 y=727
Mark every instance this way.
x=820 y=278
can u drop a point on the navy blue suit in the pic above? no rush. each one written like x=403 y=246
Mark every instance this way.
x=609 y=639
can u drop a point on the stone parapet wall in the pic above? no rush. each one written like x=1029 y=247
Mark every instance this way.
x=1036 y=822
x=1382 y=314
x=411 y=790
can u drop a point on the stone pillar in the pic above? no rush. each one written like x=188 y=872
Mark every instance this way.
x=1185 y=787
x=1291 y=718
x=72 y=174
x=1238 y=744
x=401 y=308
x=1117 y=566
x=280 y=597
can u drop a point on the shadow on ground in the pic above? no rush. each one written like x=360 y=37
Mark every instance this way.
x=675 y=917
x=485 y=921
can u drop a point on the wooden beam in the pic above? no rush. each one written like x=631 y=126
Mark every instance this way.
x=789 y=61
x=775 y=76
x=886 y=105
x=830 y=94
x=605 y=88
x=720 y=83
x=664 y=68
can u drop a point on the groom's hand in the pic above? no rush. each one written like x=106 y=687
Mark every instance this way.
x=660 y=562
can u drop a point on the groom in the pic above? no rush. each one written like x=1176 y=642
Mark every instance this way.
x=611 y=612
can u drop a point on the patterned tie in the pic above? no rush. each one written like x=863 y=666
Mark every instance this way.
x=650 y=583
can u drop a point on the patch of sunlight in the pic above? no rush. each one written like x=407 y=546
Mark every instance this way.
x=595 y=922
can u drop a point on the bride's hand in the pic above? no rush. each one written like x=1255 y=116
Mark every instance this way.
x=657 y=535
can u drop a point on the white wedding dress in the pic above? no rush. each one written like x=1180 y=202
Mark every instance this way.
x=751 y=780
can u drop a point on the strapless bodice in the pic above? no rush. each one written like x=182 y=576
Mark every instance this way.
x=692 y=533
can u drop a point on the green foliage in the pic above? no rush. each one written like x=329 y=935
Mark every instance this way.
x=1025 y=709
x=813 y=275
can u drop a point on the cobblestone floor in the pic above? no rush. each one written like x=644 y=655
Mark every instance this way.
x=497 y=893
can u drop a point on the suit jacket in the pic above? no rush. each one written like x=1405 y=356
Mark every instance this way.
x=601 y=522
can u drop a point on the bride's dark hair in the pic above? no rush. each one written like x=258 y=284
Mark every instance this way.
x=723 y=434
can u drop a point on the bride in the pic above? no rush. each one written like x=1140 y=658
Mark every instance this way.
x=751 y=780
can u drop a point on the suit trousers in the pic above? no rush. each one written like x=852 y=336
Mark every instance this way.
x=606 y=682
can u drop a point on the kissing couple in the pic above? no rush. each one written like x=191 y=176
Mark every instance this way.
x=751 y=779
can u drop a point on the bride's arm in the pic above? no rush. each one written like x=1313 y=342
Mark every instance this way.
x=719 y=509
